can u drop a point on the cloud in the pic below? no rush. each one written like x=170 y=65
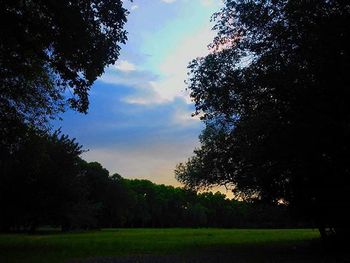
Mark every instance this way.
x=174 y=67
x=212 y=3
x=124 y=65
x=139 y=122
x=139 y=81
x=165 y=53
x=111 y=118
x=134 y=140
x=136 y=78
x=144 y=95
x=169 y=84
x=133 y=7
x=184 y=117
x=168 y=1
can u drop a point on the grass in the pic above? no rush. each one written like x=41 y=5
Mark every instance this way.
x=255 y=245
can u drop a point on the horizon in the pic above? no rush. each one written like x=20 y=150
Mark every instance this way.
x=139 y=122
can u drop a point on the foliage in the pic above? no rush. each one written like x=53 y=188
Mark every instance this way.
x=274 y=96
x=39 y=182
x=44 y=182
x=51 y=52
x=49 y=49
x=106 y=193
x=166 y=206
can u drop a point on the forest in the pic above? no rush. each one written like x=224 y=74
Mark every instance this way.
x=54 y=187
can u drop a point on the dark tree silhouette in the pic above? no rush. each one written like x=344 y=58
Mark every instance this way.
x=40 y=184
x=275 y=97
x=53 y=51
x=47 y=184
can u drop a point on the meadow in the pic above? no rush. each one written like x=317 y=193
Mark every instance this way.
x=164 y=245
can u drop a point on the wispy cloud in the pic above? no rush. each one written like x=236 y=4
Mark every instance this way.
x=211 y=2
x=124 y=65
x=133 y=7
x=131 y=139
x=169 y=50
x=174 y=66
x=168 y=1
x=137 y=78
x=145 y=95
x=172 y=72
x=184 y=117
x=139 y=122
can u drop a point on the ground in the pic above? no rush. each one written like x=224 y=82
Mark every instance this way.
x=167 y=245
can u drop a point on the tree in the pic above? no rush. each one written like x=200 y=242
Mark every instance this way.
x=107 y=195
x=40 y=183
x=45 y=182
x=51 y=52
x=274 y=95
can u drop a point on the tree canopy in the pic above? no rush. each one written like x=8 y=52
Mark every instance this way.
x=274 y=95
x=51 y=52
x=47 y=184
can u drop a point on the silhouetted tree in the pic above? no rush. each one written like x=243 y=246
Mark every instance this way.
x=108 y=195
x=51 y=52
x=40 y=184
x=54 y=50
x=274 y=94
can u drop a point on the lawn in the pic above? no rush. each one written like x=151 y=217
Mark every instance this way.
x=230 y=245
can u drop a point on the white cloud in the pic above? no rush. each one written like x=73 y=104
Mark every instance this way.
x=168 y=1
x=184 y=117
x=209 y=3
x=145 y=95
x=124 y=65
x=173 y=72
x=133 y=7
x=137 y=79
x=174 y=67
x=171 y=69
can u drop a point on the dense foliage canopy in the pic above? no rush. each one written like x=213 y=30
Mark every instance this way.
x=36 y=183
x=52 y=51
x=274 y=95
x=47 y=184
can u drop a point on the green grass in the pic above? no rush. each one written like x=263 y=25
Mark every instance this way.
x=58 y=247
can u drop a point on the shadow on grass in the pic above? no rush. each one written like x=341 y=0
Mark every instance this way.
x=171 y=245
x=302 y=252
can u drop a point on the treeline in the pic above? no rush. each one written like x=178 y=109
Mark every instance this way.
x=44 y=182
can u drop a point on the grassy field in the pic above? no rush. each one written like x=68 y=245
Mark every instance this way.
x=183 y=245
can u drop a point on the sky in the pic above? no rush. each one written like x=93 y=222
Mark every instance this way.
x=139 y=121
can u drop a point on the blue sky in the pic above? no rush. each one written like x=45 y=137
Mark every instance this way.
x=139 y=122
